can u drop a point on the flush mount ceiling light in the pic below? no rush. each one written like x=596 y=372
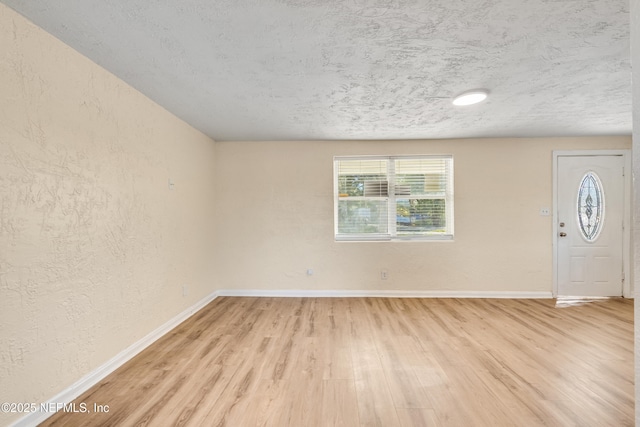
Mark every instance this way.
x=471 y=97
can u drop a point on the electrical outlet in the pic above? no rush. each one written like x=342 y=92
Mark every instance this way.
x=384 y=275
x=185 y=290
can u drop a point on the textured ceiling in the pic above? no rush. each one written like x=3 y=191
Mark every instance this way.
x=362 y=69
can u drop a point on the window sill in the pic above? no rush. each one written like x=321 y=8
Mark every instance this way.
x=361 y=239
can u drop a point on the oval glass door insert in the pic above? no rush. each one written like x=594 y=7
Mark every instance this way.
x=590 y=206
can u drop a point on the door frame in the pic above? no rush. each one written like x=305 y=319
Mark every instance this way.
x=627 y=289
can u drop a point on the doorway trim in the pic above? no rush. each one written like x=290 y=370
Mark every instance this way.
x=627 y=290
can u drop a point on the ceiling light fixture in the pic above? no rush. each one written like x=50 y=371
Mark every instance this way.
x=471 y=97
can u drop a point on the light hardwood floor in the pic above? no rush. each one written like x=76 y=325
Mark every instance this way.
x=378 y=362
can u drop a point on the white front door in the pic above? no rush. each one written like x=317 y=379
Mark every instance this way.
x=590 y=214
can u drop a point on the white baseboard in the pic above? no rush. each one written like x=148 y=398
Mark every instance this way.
x=92 y=378
x=383 y=294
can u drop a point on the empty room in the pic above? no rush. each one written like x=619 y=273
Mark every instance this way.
x=318 y=213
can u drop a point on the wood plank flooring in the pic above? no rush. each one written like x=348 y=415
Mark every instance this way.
x=378 y=362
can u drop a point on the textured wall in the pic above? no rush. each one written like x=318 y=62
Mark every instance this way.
x=94 y=247
x=275 y=218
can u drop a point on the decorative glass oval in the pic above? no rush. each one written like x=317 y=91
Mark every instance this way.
x=590 y=206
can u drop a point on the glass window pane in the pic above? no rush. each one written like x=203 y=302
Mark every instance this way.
x=353 y=174
x=354 y=185
x=362 y=216
x=420 y=176
x=420 y=216
x=590 y=206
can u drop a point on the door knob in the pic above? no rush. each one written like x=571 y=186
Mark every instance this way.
x=563 y=234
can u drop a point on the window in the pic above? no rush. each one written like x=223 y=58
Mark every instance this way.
x=389 y=198
x=590 y=206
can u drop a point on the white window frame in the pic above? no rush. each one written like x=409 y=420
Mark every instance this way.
x=392 y=234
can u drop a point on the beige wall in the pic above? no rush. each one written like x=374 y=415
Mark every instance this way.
x=275 y=218
x=94 y=247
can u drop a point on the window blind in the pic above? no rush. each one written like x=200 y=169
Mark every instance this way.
x=362 y=205
x=393 y=197
x=421 y=196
